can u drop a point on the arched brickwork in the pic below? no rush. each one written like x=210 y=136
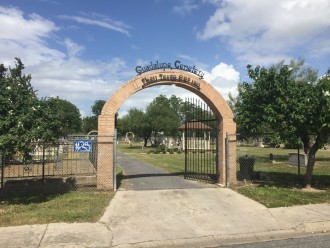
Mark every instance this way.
x=186 y=80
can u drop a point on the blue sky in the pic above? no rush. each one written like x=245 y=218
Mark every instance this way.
x=83 y=50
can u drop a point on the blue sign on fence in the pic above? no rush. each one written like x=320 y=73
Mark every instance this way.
x=83 y=146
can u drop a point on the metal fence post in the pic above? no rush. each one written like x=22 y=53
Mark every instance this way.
x=115 y=160
x=2 y=161
x=227 y=158
x=298 y=160
x=43 y=161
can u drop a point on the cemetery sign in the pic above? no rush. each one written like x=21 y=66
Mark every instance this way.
x=163 y=66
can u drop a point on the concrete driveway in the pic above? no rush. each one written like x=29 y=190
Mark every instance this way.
x=152 y=205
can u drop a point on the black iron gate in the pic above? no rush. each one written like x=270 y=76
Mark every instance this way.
x=200 y=142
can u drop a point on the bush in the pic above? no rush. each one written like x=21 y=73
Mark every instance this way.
x=171 y=151
x=162 y=148
x=179 y=151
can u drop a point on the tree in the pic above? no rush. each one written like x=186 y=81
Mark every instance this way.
x=291 y=101
x=135 y=121
x=97 y=107
x=163 y=117
x=58 y=118
x=49 y=120
x=18 y=108
x=69 y=114
x=90 y=123
x=25 y=119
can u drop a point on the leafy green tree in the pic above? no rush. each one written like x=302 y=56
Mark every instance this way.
x=135 y=121
x=18 y=107
x=69 y=114
x=97 y=107
x=24 y=118
x=58 y=118
x=292 y=102
x=49 y=121
x=163 y=117
x=90 y=123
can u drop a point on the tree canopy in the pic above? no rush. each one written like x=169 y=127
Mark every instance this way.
x=162 y=116
x=25 y=118
x=89 y=123
x=19 y=105
x=291 y=101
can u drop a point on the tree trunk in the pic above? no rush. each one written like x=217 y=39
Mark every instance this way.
x=309 y=169
x=145 y=141
x=311 y=152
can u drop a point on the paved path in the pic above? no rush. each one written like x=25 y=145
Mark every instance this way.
x=142 y=176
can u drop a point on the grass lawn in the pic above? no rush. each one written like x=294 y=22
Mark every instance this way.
x=67 y=207
x=280 y=184
x=273 y=196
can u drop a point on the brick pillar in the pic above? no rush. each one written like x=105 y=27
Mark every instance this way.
x=225 y=126
x=105 y=152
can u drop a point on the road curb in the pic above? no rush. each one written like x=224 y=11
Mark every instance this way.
x=221 y=240
x=315 y=227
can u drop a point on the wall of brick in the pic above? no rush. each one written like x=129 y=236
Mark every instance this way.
x=181 y=79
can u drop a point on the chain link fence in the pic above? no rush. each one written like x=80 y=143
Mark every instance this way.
x=69 y=164
x=260 y=161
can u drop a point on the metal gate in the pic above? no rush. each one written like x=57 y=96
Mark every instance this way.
x=200 y=142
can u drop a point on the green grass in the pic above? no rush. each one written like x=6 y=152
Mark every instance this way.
x=262 y=163
x=67 y=207
x=279 y=184
x=173 y=163
x=272 y=196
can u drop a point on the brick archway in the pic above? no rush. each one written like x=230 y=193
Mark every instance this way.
x=186 y=80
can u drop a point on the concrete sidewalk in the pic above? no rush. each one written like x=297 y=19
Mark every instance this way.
x=203 y=217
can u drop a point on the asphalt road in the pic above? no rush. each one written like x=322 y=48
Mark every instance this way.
x=142 y=176
x=319 y=241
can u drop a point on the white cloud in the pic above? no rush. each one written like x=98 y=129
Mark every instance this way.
x=26 y=37
x=99 y=20
x=16 y=27
x=224 y=78
x=55 y=72
x=186 y=7
x=262 y=31
x=72 y=48
x=63 y=73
